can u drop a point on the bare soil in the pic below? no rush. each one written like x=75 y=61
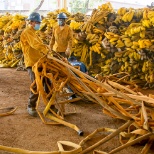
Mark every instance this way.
x=23 y=131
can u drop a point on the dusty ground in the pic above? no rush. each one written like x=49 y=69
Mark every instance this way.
x=23 y=131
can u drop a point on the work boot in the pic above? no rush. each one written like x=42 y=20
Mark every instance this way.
x=32 y=111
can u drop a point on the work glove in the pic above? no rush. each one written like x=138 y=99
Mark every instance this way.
x=50 y=53
x=68 y=52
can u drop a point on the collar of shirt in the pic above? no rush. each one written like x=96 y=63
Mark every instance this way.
x=31 y=28
x=62 y=27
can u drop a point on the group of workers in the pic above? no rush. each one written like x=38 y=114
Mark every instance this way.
x=33 y=48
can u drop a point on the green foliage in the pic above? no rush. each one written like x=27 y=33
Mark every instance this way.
x=82 y=5
x=77 y=6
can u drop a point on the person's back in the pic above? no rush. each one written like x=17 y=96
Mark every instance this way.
x=73 y=61
x=81 y=65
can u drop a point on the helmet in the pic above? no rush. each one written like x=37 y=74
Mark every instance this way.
x=34 y=17
x=61 y=16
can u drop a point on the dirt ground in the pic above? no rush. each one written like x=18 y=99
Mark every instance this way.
x=23 y=131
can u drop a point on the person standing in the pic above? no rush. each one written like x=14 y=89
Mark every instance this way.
x=61 y=40
x=33 y=49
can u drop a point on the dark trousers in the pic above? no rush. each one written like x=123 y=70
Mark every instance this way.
x=33 y=97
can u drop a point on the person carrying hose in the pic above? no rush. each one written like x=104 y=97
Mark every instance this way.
x=33 y=49
x=61 y=40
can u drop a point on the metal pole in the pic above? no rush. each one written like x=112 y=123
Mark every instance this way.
x=65 y=4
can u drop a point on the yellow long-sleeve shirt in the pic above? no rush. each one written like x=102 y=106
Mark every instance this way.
x=61 y=39
x=32 y=46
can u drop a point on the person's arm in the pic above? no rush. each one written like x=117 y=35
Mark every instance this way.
x=52 y=42
x=70 y=39
x=69 y=47
x=35 y=42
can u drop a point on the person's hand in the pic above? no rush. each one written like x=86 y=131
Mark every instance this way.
x=49 y=49
x=49 y=54
x=48 y=46
x=67 y=52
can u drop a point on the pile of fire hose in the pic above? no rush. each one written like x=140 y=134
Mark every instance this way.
x=118 y=101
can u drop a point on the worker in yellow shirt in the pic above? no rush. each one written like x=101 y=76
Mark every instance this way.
x=61 y=40
x=33 y=49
